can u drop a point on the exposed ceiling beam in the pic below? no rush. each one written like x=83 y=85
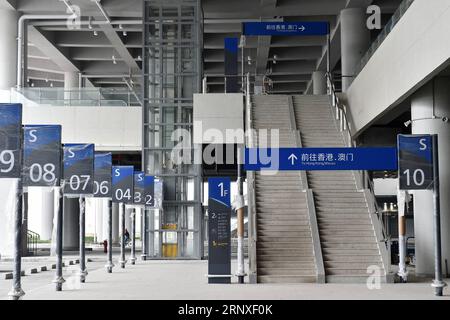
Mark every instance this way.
x=119 y=46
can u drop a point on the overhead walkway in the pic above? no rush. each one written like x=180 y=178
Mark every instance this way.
x=337 y=228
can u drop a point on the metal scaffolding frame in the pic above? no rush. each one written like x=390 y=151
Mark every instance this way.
x=172 y=72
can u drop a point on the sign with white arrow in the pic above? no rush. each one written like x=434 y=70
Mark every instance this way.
x=310 y=159
x=307 y=28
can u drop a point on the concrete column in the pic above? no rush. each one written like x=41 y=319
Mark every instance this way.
x=71 y=224
x=8 y=52
x=105 y=213
x=115 y=223
x=47 y=212
x=319 y=82
x=422 y=107
x=71 y=82
x=355 y=40
x=99 y=220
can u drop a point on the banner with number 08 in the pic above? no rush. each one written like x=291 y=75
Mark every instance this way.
x=79 y=169
x=42 y=156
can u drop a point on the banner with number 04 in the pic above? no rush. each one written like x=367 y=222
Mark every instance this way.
x=122 y=184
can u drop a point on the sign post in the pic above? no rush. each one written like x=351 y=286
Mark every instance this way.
x=102 y=190
x=79 y=182
x=219 y=230
x=122 y=193
x=11 y=167
x=149 y=193
x=419 y=170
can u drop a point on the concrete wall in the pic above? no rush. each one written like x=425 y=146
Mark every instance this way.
x=414 y=51
x=110 y=128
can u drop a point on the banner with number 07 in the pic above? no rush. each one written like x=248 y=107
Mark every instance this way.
x=79 y=169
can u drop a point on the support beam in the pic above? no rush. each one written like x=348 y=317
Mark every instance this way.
x=120 y=48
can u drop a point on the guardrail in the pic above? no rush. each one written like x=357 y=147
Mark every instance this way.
x=32 y=242
x=363 y=180
x=96 y=97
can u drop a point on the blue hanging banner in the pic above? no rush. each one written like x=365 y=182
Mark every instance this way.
x=122 y=184
x=231 y=65
x=219 y=230
x=10 y=140
x=315 y=159
x=149 y=191
x=102 y=175
x=42 y=155
x=79 y=169
x=306 y=28
x=139 y=187
x=415 y=158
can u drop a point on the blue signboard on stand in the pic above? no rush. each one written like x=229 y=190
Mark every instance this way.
x=306 y=28
x=149 y=190
x=42 y=155
x=415 y=158
x=139 y=187
x=122 y=184
x=10 y=140
x=79 y=169
x=102 y=175
x=310 y=159
x=219 y=230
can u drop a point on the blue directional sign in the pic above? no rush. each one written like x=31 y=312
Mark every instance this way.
x=42 y=155
x=139 y=187
x=10 y=140
x=415 y=158
x=149 y=190
x=79 y=169
x=102 y=175
x=219 y=228
x=310 y=159
x=122 y=184
x=306 y=28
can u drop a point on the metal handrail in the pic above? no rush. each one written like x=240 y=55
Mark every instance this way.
x=345 y=126
x=32 y=241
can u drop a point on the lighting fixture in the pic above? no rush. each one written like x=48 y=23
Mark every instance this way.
x=114 y=59
x=95 y=33
x=125 y=33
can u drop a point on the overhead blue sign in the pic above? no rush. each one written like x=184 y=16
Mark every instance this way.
x=415 y=158
x=79 y=169
x=10 y=140
x=314 y=159
x=42 y=155
x=285 y=28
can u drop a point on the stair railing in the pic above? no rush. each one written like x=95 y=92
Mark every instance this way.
x=251 y=193
x=32 y=242
x=364 y=182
